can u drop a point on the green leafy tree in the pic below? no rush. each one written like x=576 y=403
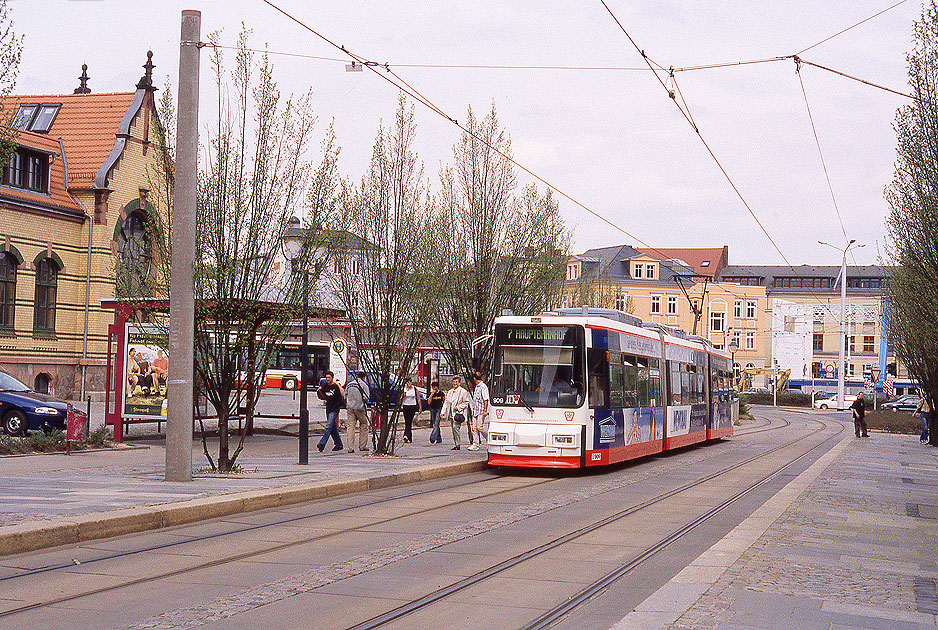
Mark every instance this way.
x=913 y=217
x=11 y=48
x=497 y=250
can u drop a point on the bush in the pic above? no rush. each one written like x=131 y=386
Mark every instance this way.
x=894 y=422
x=785 y=399
x=99 y=436
x=743 y=407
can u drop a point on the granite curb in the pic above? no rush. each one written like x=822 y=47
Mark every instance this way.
x=44 y=534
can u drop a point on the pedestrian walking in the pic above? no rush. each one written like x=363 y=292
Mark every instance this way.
x=480 y=410
x=357 y=395
x=435 y=402
x=924 y=412
x=411 y=405
x=859 y=415
x=333 y=394
x=455 y=408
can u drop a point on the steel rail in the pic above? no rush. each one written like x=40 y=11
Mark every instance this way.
x=554 y=614
x=446 y=591
x=120 y=554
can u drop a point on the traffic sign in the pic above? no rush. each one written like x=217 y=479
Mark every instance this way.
x=876 y=373
x=829 y=368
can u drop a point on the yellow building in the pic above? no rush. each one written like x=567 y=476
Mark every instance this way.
x=674 y=287
x=79 y=194
x=804 y=321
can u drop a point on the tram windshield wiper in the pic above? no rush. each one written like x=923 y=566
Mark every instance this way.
x=525 y=403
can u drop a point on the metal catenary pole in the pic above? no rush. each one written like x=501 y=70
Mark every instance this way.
x=181 y=295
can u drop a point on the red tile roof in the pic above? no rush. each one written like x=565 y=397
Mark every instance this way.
x=714 y=257
x=88 y=125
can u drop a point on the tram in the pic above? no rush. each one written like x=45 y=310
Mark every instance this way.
x=590 y=387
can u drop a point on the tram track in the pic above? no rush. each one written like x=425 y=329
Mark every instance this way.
x=273 y=548
x=240 y=556
x=587 y=593
x=598 y=586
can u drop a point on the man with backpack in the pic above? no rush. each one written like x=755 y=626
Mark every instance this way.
x=357 y=395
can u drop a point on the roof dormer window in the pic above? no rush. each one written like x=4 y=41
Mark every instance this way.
x=35 y=117
x=28 y=170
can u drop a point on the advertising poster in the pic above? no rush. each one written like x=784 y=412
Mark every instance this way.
x=642 y=425
x=146 y=367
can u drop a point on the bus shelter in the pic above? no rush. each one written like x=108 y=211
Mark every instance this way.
x=138 y=366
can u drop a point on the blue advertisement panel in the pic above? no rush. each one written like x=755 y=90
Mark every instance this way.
x=698 y=418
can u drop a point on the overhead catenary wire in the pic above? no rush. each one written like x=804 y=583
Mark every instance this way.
x=412 y=92
x=863 y=21
x=392 y=77
x=817 y=143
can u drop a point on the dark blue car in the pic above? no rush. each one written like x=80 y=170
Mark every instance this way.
x=22 y=409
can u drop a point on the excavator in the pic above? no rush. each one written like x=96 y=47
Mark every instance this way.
x=744 y=381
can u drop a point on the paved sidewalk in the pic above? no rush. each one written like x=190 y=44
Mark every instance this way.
x=47 y=500
x=850 y=543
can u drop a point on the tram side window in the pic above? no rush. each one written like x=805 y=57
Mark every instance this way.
x=629 y=371
x=685 y=388
x=654 y=383
x=641 y=383
x=598 y=377
x=674 y=384
x=616 y=386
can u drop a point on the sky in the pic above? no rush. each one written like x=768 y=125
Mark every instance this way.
x=612 y=140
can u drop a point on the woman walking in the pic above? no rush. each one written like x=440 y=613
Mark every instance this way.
x=924 y=411
x=410 y=404
x=435 y=402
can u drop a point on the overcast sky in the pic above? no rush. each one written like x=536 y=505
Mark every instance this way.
x=611 y=139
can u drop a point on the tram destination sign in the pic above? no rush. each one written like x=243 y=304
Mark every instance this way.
x=536 y=335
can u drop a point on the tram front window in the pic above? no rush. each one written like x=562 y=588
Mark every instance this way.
x=538 y=366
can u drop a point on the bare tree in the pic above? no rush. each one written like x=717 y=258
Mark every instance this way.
x=377 y=238
x=497 y=251
x=913 y=217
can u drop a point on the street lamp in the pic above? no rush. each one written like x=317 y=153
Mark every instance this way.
x=292 y=243
x=843 y=315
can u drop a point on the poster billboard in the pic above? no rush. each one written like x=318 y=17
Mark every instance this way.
x=145 y=371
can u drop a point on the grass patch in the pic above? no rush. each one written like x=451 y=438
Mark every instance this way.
x=785 y=399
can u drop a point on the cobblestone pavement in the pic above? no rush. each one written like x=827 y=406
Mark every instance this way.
x=858 y=548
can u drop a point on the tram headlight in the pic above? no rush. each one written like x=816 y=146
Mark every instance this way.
x=563 y=440
x=498 y=437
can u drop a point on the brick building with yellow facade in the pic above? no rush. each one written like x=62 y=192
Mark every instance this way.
x=667 y=286
x=75 y=198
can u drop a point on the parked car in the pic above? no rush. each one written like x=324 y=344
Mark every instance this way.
x=23 y=410
x=373 y=378
x=758 y=390
x=830 y=402
x=904 y=403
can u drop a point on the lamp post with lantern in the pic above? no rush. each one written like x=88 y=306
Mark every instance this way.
x=292 y=244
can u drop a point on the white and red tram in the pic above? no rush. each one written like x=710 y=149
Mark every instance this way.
x=591 y=387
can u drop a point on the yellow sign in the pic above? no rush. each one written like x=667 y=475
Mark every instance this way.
x=338 y=346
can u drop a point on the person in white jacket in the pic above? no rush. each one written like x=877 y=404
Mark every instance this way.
x=455 y=408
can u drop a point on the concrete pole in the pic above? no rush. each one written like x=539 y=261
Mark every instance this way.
x=181 y=295
x=843 y=330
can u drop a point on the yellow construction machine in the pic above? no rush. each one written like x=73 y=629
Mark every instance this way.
x=744 y=381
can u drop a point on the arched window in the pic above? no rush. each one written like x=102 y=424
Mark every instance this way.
x=7 y=289
x=46 y=282
x=135 y=253
x=41 y=384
